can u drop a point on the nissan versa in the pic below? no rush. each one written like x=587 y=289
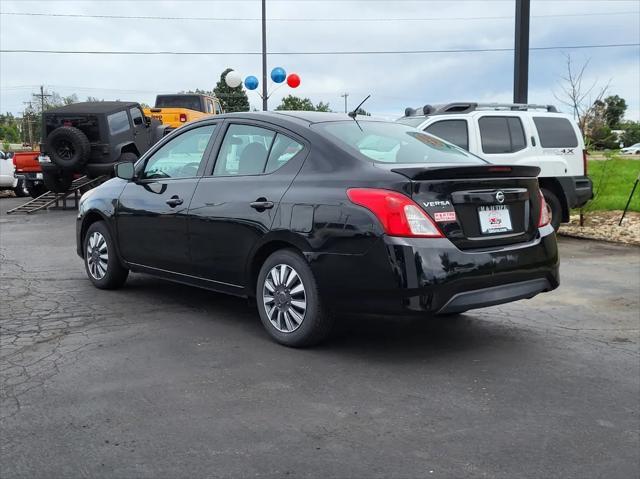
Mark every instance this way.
x=315 y=214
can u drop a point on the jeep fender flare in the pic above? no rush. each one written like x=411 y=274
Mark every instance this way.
x=127 y=146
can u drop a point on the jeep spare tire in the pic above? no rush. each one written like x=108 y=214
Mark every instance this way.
x=68 y=147
x=57 y=182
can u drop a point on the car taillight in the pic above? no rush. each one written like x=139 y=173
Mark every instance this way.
x=398 y=214
x=585 y=161
x=544 y=218
x=183 y=117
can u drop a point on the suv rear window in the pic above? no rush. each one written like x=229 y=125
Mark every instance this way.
x=454 y=131
x=501 y=134
x=555 y=132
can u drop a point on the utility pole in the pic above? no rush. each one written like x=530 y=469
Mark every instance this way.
x=26 y=118
x=264 y=55
x=42 y=96
x=521 y=52
x=345 y=95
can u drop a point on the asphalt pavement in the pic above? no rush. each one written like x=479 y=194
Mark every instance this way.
x=162 y=380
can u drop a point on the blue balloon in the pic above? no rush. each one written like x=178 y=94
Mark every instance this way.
x=278 y=75
x=251 y=82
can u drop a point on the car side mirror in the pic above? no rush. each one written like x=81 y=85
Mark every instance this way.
x=137 y=120
x=125 y=170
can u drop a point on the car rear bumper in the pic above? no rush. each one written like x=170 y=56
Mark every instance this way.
x=35 y=177
x=418 y=275
x=577 y=189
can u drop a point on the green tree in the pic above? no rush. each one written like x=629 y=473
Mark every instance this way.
x=292 y=102
x=631 y=134
x=614 y=110
x=9 y=133
x=323 y=107
x=233 y=99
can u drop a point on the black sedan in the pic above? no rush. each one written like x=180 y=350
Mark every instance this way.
x=314 y=214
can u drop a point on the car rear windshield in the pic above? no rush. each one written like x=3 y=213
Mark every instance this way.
x=190 y=102
x=555 y=132
x=385 y=142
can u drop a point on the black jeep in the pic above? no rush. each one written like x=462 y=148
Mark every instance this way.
x=89 y=138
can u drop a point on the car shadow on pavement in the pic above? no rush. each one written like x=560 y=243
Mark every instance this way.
x=362 y=336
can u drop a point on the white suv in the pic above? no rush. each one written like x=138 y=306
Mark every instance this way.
x=517 y=134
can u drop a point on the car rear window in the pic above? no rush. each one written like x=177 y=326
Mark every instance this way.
x=385 y=142
x=190 y=102
x=555 y=132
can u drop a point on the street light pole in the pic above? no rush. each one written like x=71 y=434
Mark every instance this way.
x=521 y=52
x=264 y=55
x=345 y=95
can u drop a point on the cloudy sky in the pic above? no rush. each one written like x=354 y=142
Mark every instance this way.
x=303 y=26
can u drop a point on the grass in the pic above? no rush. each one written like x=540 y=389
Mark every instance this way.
x=613 y=180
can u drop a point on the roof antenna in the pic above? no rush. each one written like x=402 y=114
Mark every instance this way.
x=353 y=113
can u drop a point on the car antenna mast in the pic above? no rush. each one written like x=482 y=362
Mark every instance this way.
x=353 y=113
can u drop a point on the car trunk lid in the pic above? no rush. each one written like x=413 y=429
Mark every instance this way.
x=478 y=206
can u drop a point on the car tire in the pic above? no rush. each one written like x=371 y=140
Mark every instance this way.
x=20 y=190
x=555 y=207
x=282 y=314
x=68 y=147
x=36 y=190
x=57 y=182
x=104 y=273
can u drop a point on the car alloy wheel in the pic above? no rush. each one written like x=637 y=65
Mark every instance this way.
x=284 y=298
x=97 y=255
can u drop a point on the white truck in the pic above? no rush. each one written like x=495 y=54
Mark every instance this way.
x=517 y=134
x=8 y=181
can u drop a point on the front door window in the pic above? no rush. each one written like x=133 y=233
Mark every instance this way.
x=181 y=157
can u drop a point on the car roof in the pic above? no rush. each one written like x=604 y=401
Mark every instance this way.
x=93 y=107
x=302 y=118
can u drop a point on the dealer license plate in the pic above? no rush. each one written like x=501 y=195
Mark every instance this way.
x=494 y=219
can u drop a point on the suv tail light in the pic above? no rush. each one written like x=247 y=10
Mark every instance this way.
x=398 y=214
x=544 y=218
x=585 y=161
x=183 y=117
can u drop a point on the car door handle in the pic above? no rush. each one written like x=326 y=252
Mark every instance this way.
x=175 y=201
x=261 y=204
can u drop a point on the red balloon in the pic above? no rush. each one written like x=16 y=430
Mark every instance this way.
x=293 y=80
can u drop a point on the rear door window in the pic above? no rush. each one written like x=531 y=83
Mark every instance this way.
x=453 y=131
x=501 y=134
x=118 y=122
x=244 y=151
x=555 y=132
x=283 y=149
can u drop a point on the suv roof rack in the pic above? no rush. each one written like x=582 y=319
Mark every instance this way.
x=466 y=107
